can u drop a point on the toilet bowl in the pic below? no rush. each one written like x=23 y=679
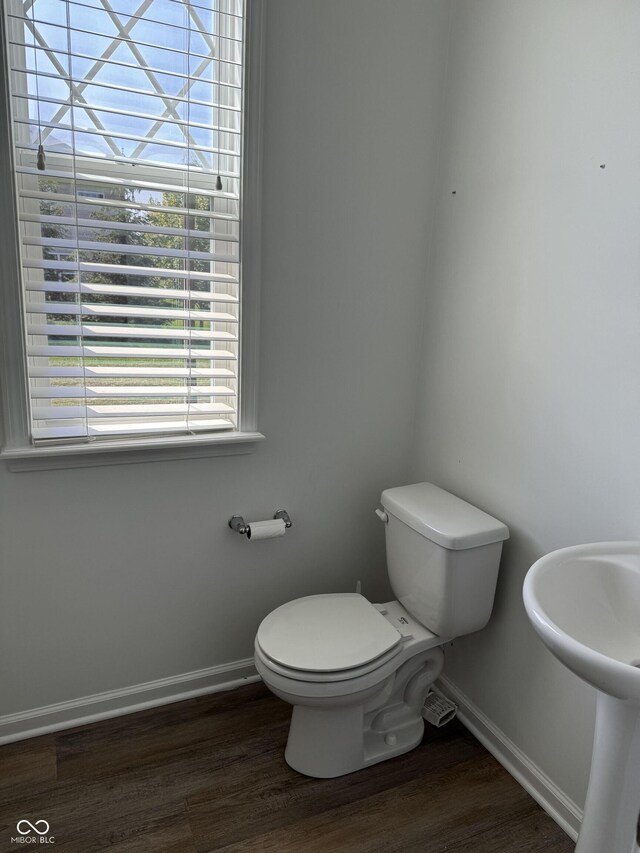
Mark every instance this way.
x=357 y=673
x=337 y=725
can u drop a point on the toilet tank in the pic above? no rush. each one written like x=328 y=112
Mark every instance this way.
x=443 y=556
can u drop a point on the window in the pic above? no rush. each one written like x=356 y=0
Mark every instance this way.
x=128 y=123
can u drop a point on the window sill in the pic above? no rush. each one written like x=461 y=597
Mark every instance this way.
x=124 y=451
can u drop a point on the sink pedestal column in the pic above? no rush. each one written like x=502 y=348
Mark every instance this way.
x=613 y=799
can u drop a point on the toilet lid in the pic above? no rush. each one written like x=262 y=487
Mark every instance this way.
x=326 y=633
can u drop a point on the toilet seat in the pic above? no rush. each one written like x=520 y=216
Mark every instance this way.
x=306 y=687
x=325 y=677
x=327 y=637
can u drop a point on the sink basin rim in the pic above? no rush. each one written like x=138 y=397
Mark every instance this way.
x=603 y=672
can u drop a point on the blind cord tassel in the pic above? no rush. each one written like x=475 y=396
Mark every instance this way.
x=40 y=159
x=219 y=183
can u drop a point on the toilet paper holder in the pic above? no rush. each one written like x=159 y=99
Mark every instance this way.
x=237 y=522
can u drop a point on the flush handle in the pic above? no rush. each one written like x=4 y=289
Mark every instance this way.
x=382 y=515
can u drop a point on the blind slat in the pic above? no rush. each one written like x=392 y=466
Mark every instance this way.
x=126 y=331
x=127 y=290
x=68 y=244
x=134 y=206
x=122 y=227
x=121 y=269
x=121 y=372
x=147 y=426
x=130 y=179
x=57 y=413
x=135 y=137
x=128 y=352
x=85 y=309
x=212 y=106
x=92 y=392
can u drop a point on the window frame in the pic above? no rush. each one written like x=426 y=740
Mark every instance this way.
x=17 y=450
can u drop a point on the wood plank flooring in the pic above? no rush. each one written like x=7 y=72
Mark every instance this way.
x=209 y=775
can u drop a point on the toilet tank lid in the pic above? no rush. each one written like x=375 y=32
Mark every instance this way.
x=442 y=517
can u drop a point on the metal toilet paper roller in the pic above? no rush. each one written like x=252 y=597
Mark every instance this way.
x=268 y=529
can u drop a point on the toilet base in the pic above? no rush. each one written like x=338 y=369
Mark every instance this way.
x=325 y=742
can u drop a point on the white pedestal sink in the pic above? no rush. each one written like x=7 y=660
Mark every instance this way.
x=584 y=602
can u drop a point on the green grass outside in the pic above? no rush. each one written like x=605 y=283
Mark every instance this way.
x=70 y=381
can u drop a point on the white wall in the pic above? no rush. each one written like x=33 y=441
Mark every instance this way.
x=530 y=380
x=119 y=575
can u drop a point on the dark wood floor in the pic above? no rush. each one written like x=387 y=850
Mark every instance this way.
x=209 y=774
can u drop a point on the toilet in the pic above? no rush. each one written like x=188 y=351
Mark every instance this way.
x=357 y=673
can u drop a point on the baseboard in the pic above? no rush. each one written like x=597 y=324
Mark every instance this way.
x=115 y=703
x=556 y=803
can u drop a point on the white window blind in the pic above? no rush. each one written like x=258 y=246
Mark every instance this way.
x=129 y=212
